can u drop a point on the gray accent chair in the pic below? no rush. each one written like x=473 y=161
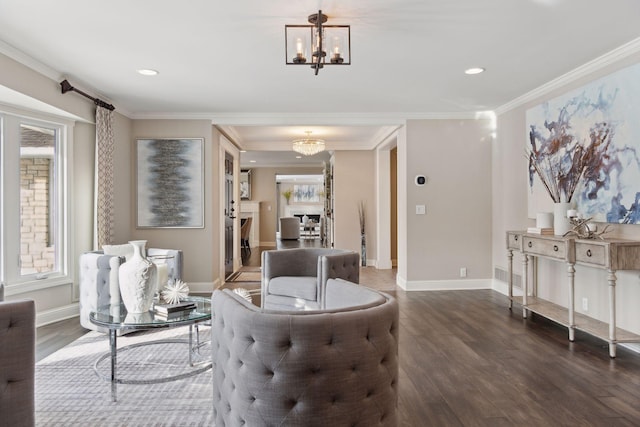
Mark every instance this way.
x=289 y=228
x=335 y=367
x=298 y=277
x=99 y=283
x=17 y=362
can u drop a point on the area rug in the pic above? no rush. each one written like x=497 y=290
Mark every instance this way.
x=69 y=393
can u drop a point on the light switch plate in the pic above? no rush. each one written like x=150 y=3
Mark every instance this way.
x=421 y=209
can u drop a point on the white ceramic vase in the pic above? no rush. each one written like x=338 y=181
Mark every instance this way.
x=138 y=280
x=561 y=223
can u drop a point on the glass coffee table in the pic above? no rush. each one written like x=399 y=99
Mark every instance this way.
x=116 y=319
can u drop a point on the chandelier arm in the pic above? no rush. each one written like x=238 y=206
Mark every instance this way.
x=320 y=37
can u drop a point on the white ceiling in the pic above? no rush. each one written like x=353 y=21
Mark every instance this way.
x=225 y=60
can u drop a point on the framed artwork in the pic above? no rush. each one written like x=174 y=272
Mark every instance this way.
x=245 y=184
x=306 y=193
x=588 y=141
x=170 y=183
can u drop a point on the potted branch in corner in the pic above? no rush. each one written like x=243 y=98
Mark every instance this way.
x=363 y=240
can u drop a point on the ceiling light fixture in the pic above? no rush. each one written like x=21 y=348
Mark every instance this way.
x=474 y=70
x=310 y=42
x=148 y=72
x=308 y=146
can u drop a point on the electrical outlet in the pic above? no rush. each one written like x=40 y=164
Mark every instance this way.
x=463 y=272
x=585 y=304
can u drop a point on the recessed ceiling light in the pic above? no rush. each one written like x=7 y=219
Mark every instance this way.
x=474 y=70
x=298 y=157
x=148 y=72
x=252 y=161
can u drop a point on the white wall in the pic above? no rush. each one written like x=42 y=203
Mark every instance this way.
x=200 y=246
x=455 y=232
x=510 y=213
x=354 y=180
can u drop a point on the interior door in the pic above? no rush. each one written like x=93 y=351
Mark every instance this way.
x=229 y=215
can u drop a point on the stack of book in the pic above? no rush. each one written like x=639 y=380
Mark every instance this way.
x=536 y=230
x=173 y=311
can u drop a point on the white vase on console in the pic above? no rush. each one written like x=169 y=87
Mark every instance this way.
x=138 y=280
x=561 y=223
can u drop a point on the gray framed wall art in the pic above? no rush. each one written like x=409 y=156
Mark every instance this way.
x=170 y=183
x=245 y=184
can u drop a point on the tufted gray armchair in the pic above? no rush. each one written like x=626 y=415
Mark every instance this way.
x=307 y=368
x=17 y=362
x=296 y=278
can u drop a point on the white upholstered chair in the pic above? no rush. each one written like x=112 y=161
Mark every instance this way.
x=289 y=228
x=99 y=284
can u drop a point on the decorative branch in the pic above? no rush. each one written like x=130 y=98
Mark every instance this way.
x=361 y=213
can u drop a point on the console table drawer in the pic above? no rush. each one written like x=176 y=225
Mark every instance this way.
x=589 y=253
x=513 y=240
x=544 y=247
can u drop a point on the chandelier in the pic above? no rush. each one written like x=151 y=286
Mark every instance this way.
x=308 y=146
x=309 y=44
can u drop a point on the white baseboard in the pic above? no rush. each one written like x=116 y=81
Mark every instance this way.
x=443 y=285
x=503 y=288
x=57 y=314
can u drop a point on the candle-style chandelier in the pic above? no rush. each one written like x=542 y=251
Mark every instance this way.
x=312 y=44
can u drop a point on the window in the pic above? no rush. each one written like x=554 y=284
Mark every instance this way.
x=38 y=202
x=34 y=196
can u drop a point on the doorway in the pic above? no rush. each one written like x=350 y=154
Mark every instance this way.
x=303 y=196
x=229 y=215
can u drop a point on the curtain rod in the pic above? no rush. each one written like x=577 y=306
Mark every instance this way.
x=66 y=87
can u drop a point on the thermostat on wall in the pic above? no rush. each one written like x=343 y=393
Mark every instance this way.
x=421 y=180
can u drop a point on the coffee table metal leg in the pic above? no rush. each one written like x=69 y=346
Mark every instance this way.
x=190 y=345
x=114 y=354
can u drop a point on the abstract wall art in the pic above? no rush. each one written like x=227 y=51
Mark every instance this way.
x=170 y=183
x=306 y=193
x=587 y=142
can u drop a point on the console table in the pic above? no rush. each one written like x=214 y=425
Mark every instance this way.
x=609 y=254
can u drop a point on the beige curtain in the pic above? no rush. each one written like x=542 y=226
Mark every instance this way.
x=103 y=210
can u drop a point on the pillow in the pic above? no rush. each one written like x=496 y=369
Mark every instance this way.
x=125 y=250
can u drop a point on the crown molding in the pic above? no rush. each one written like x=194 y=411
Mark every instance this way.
x=28 y=61
x=609 y=58
x=306 y=119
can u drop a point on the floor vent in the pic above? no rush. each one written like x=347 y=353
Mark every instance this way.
x=503 y=276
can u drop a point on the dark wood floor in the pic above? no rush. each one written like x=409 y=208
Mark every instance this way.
x=467 y=360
